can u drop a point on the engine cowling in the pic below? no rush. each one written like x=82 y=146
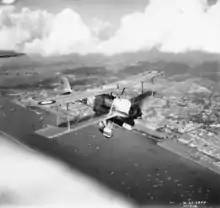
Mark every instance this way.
x=122 y=105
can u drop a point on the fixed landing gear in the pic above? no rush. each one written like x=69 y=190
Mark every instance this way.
x=106 y=127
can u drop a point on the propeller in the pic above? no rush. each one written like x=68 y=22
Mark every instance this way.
x=140 y=99
x=123 y=90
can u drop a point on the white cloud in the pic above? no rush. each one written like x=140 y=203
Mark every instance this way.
x=101 y=29
x=171 y=25
x=8 y=1
x=29 y=179
x=41 y=32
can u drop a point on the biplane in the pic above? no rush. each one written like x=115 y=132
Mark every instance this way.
x=108 y=103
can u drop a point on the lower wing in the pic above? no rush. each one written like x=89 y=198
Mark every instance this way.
x=54 y=131
x=91 y=121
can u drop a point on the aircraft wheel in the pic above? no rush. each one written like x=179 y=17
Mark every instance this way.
x=107 y=138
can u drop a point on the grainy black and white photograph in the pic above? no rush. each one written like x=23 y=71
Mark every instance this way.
x=109 y=103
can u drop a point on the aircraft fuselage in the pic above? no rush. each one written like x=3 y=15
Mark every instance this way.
x=102 y=104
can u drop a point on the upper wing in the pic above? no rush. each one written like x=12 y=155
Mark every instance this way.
x=108 y=88
x=75 y=96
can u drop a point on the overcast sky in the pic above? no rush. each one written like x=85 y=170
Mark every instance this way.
x=104 y=8
x=111 y=10
x=110 y=26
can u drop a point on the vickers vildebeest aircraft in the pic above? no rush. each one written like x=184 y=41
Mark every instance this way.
x=109 y=108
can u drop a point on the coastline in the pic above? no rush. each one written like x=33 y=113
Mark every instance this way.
x=176 y=147
x=140 y=127
x=193 y=154
x=133 y=158
x=190 y=153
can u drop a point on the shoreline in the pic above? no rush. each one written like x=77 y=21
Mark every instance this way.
x=140 y=127
x=180 y=149
x=192 y=154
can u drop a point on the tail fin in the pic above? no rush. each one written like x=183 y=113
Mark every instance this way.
x=66 y=85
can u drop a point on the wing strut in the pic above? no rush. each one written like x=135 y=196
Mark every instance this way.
x=68 y=120
x=58 y=118
x=142 y=87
